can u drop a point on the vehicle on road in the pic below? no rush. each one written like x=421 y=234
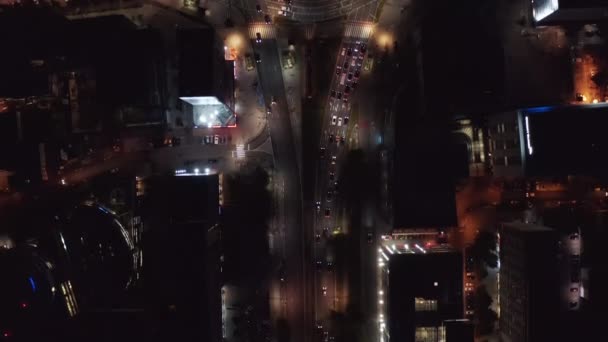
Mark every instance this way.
x=363 y=49
x=258 y=59
x=347 y=90
x=331 y=138
x=370 y=237
x=345 y=67
x=342 y=140
x=258 y=8
x=346 y=120
x=216 y=139
x=268 y=110
x=343 y=51
x=319 y=265
x=267 y=19
x=350 y=76
x=338 y=70
x=327 y=212
x=322 y=152
x=342 y=79
x=340 y=121
x=355 y=84
x=330 y=266
x=333 y=160
x=317 y=237
x=333 y=93
x=258 y=37
x=333 y=120
x=273 y=100
x=339 y=97
x=318 y=206
x=324 y=289
x=357 y=73
x=329 y=195
x=248 y=62
x=332 y=176
x=349 y=52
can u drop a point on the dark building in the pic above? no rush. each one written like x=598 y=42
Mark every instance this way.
x=529 y=283
x=181 y=269
x=424 y=290
x=458 y=330
x=201 y=63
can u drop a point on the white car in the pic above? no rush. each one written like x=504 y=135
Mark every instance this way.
x=333 y=120
x=343 y=51
x=216 y=139
x=340 y=121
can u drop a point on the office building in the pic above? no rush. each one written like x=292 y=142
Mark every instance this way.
x=558 y=12
x=424 y=290
x=529 y=291
x=181 y=261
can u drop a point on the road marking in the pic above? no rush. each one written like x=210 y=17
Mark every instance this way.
x=360 y=30
x=265 y=30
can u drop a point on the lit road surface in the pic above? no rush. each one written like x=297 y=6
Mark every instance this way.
x=339 y=134
x=295 y=291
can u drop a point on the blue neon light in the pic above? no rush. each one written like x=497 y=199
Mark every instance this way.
x=543 y=109
x=32 y=283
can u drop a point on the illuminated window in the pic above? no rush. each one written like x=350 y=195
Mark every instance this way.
x=425 y=304
x=430 y=334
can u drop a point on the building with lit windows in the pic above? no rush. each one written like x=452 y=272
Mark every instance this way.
x=529 y=291
x=555 y=12
x=424 y=290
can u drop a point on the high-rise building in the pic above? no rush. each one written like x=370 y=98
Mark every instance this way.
x=424 y=290
x=529 y=291
x=181 y=261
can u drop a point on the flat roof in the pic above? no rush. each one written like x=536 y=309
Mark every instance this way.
x=527 y=227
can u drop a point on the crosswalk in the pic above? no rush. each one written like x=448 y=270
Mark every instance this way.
x=265 y=30
x=359 y=30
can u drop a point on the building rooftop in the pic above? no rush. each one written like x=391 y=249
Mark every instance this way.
x=526 y=227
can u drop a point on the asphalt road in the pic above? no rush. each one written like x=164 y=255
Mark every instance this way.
x=299 y=311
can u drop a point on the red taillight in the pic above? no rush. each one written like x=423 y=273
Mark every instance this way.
x=24 y=305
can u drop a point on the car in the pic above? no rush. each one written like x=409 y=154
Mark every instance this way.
x=324 y=289
x=349 y=52
x=322 y=152
x=258 y=8
x=267 y=19
x=357 y=73
x=355 y=84
x=580 y=97
x=216 y=139
x=339 y=97
x=326 y=232
x=340 y=121
x=342 y=141
x=345 y=67
x=345 y=99
x=333 y=93
x=273 y=100
x=331 y=138
x=327 y=212
x=319 y=325
x=258 y=37
x=329 y=195
x=343 y=51
x=573 y=236
x=347 y=90
x=317 y=237
x=574 y=289
x=350 y=76
x=318 y=206
x=319 y=265
x=268 y=110
x=370 y=237
x=257 y=57
x=333 y=120
x=338 y=70
x=346 y=120
x=363 y=49
x=333 y=160
x=330 y=266
x=332 y=176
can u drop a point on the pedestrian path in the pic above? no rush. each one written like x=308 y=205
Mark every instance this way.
x=265 y=30
x=359 y=30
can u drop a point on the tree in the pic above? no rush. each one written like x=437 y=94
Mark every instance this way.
x=483 y=250
x=484 y=314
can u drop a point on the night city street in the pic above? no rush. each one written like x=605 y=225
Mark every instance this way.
x=303 y=171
